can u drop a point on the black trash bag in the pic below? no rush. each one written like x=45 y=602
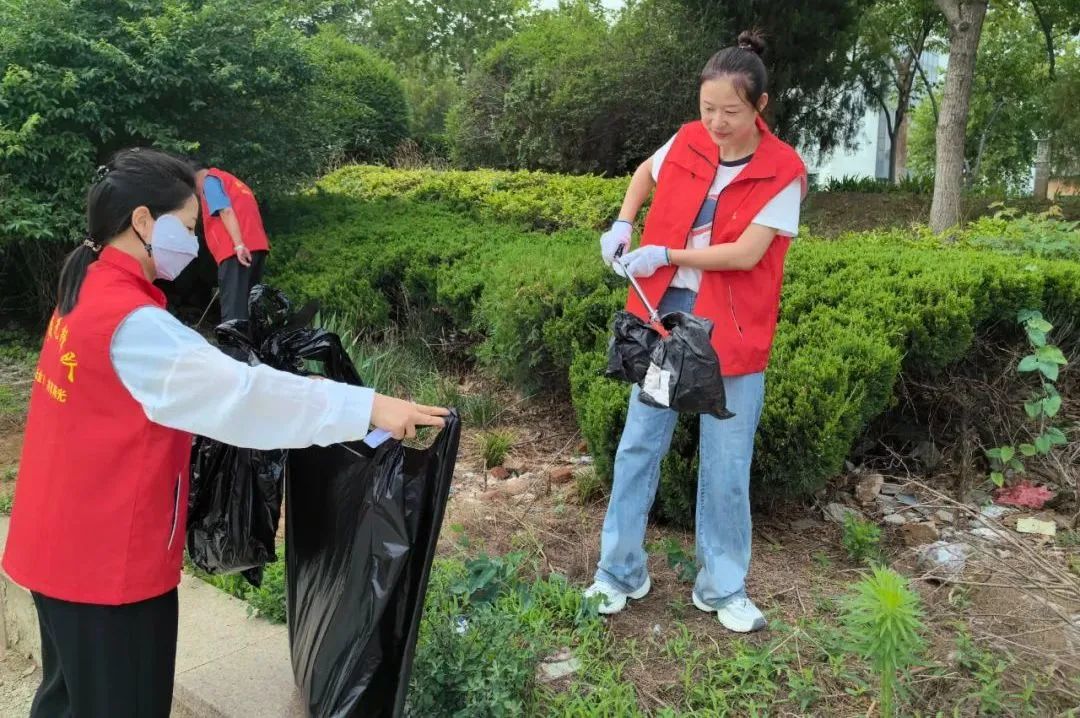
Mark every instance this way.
x=234 y=508
x=361 y=532
x=630 y=347
x=235 y=501
x=683 y=373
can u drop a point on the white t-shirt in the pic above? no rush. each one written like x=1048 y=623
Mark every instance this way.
x=781 y=213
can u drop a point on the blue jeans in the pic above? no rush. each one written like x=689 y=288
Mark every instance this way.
x=723 y=496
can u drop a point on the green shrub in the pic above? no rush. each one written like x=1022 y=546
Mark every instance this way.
x=360 y=100
x=456 y=252
x=873 y=185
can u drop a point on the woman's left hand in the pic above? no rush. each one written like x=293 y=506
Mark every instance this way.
x=643 y=261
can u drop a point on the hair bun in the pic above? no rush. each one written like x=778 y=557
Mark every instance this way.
x=752 y=40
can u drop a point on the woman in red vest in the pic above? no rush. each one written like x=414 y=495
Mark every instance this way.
x=97 y=530
x=726 y=205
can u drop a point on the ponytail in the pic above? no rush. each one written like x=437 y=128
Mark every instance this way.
x=73 y=273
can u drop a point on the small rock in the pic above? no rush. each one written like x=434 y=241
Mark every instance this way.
x=849 y=466
x=585 y=460
x=907 y=499
x=29 y=671
x=526 y=498
x=515 y=486
x=920 y=533
x=514 y=466
x=945 y=517
x=806 y=524
x=891 y=489
x=943 y=560
x=499 y=473
x=869 y=488
x=492 y=495
x=561 y=475
x=986 y=533
x=836 y=512
x=1035 y=526
x=887 y=504
x=558 y=666
x=657 y=630
x=896 y=519
x=993 y=511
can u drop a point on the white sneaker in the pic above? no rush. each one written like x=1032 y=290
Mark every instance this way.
x=612 y=599
x=739 y=614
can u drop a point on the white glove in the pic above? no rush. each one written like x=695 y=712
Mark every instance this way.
x=616 y=237
x=644 y=261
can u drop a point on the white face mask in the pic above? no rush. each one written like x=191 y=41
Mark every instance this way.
x=172 y=246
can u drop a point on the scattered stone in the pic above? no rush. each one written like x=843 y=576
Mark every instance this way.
x=896 y=519
x=493 y=495
x=515 y=486
x=943 y=560
x=836 y=512
x=891 y=489
x=868 y=488
x=561 y=475
x=907 y=499
x=806 y=524
x=585 y=460
x=946 y=517
x=920 y=533
x=887 y=504
x=514 y=466
x=558 y=666
x=993 y=511
x=499 y=473
x=850 y=467
x=1036 y=526
x=986 y=533
x=526 y=498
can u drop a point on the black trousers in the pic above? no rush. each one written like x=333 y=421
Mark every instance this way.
x=235 y=282
x=106 y=661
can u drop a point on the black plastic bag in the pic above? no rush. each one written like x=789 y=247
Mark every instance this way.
x=361 y=532
x=235 y=502
x=680 y=371
x=234 y=508
x=630 y=348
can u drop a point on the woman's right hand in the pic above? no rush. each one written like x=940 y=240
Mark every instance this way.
x=616 y=237
x=401 y=417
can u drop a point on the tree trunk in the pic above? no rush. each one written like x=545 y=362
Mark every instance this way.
x=900 y=160
x=1042 y=168
x=965 y=18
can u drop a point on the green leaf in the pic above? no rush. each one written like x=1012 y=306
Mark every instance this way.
x=1052 y=405
x=1036 y=337
x=1028 y=363
x=998 y=478
x=1016 y=465
x=1040 y=325
x=1028 y=315
x=1042 y=443
x=1033 y=408
x=1056 y=436
x=994 y=454
x=1049 y=370
x=1028 y=449
x=1051 y=354
x=1007 y=453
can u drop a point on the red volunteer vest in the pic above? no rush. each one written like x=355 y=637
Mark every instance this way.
x=101 y=499
x=743 y=305
x=246 y=209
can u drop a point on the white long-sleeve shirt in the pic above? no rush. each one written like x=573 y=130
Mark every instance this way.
x=183 y=382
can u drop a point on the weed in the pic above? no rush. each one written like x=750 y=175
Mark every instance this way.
x=861 y=539
x=494 y=446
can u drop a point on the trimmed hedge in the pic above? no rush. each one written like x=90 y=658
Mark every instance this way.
x=856 y=311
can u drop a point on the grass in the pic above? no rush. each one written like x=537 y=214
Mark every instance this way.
x=17 y=360
x=494 y=445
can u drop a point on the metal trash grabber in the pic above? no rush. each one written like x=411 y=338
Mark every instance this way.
x=654 y=316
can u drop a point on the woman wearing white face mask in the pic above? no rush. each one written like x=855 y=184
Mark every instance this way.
x=97 y=528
